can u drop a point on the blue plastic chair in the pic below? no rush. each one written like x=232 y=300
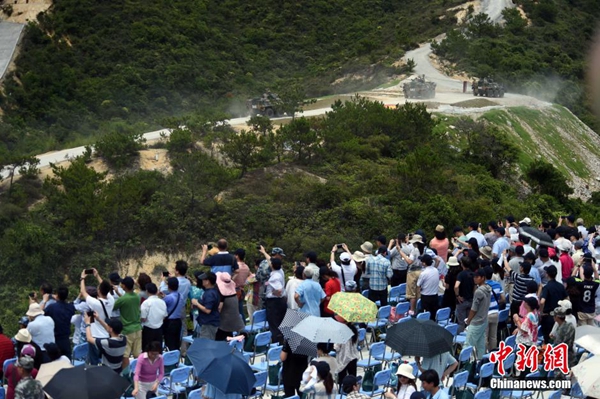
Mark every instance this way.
x=383 y=315
x=459 y=382
x=5 y=366
x=293 y=397
x=195 y=394
x=362 y=338
x=555 y=395
x=274 y=389
x=380 y=383
x=178 y=381
x=576 y=392
x=486 y=371
x=377 y=349
x=260 y=384
x=272 y=357
x=442 y=316
x=259 y=321
x=237 y=345
x=424 y=316
x=452 y=328
x=519 y=393
x=464 y=355
x=511 y=341
x=402 y=308
x=171 y=360
x=404 y=319
x=132 y=365
x=503 y=318
x=80 y=353
x=483 y=394
x=262 y=340
x=395 y=294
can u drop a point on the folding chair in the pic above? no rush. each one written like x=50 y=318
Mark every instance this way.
x=555 y=395
x=464 y=356
x=275 y=389
x=486 y=371
x=195 y=394
x=271 y=358
x=442 y=316
x=362 y=338
x=394 y=295
x=259 y=385
x=383 y=315
x=503 y=318
x=519 y=393
x=380 y=383
x=171 y=360
x=377 y=349
x=178 y=381
x=259 y=322
x=80 y=353
x=483 y=394
x=238 y=345
x=424 y=316
x=262 y=340
x=459 y=382
x=402 y=309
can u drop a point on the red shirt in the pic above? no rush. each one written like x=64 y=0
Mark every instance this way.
x=331 y=287
x=567 y=265
x=7 y=349
x=13 y=378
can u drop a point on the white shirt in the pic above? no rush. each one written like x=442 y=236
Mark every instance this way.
x=42 y=330
x=97 y=330
x=116 y=313
x=154 y=310
x=290 y=288
x=276 y=283
x=481 y=241
x=429 y=281
x=349 y=271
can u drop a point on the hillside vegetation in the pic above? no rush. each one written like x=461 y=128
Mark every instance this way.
x=88 y=65
x=542 y=56
x=360 y=171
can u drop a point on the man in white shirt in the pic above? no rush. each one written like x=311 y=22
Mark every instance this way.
x=347 y=270
x=40 y=327
x=427 y=286
x=153 y=312
x=275 y=300
x=474 y=232
x=103 y=306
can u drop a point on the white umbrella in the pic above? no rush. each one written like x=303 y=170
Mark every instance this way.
x=48 y=370
x=323 y=329
x=588 y=377
x=582 y=331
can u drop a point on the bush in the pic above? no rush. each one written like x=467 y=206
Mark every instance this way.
x=119 y=148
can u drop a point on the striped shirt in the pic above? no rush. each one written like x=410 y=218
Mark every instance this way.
x=112 y=351
x=520 y=288
x=496 y=289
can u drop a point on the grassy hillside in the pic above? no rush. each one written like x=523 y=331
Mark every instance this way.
x=87 y=65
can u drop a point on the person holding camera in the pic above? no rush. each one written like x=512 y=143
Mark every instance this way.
x=103 y=306
x=222 y=261
x=111 y=348
x=347 y=270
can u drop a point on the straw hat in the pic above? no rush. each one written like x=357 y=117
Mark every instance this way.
x=34 y=310
x=416 y=238
x=358 y=256
x=23 y=336
x=367 y=247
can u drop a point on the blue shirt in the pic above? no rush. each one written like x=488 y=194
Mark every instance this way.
x=311 y=294
x=222 y=262
x=441 y=394
x=380 y=270
x=500 y=245
x=210 y=300
x=61 y=312
x=535 y=273
x=172 y=303
x=184 y=287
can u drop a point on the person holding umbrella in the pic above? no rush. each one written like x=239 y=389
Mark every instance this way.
x=443 y=364
x=406 y=383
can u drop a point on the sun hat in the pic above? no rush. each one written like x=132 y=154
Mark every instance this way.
x=486 y=251
x=453 y=261
x=225 y=283
x=406 y=370
x=28 y=350
x=439 y=228
x=416 y=238
x=23 y=335
x=367 y=247
x=358 y=256
x=34 y=310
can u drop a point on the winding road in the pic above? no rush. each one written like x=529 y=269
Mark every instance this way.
x=423 y=66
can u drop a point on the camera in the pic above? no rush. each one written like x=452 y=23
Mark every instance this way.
x=340 y=246
x=258 y=246
x=31 y=294
x=165 y=274
x=90 y=313
x=209 y=247
x=89 y=271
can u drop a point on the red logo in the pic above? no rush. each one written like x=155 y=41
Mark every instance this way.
x=555 y=357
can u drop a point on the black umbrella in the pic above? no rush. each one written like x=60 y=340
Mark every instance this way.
x=89 y=382
x=298 y=344
x=423 y=338
x=537 y=236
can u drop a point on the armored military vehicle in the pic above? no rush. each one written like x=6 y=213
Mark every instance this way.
x=486 y=87
x=268 y=105
x=419 y=88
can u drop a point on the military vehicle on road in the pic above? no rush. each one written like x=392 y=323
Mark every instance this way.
x=268 y=105
x=419 y=88
x=486 y=87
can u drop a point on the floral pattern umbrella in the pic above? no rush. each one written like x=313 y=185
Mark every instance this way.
x=353 y=307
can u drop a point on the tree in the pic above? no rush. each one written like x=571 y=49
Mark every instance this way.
x=27 y=166
x=120 y=147
x=300 y=138
x=293 y=96
x=242 y=150
x=260 y=124
x=544 y=178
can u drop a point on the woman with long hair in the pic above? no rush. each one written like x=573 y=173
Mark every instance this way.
x=474 y=245
x=142 y=281
x=406 y=383
x=324 y=386
x=449 y=299
x=526 y=331
x=347 y=354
